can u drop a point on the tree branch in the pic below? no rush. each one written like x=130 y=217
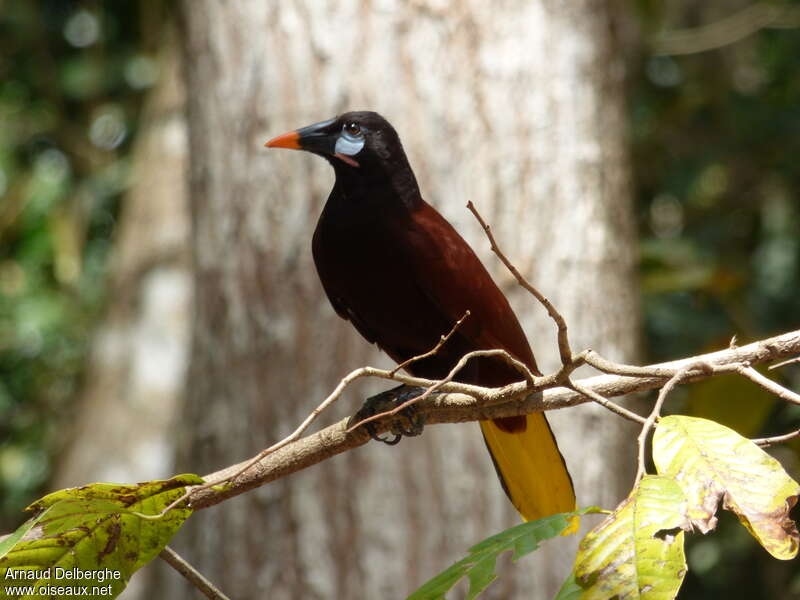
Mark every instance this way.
x=778 y=439
x=174 y=560
x=783 y=363
x=433 y=350
x=530 y=381
x=564 y=350
x=606 y=403
x=461 y=402
x=682 y=374
x=729 y=30
x=769 y=385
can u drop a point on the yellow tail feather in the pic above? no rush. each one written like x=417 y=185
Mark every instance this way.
x=532 y=469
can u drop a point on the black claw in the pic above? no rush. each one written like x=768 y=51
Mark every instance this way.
x=408 y=423
x=392 y=442
x=373 y=433
x=413 y=420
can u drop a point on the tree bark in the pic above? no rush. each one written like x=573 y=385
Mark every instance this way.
x=515 y=106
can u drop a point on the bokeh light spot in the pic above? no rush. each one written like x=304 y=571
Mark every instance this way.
x=82 y=29
x=666 y=216
x=108 y=128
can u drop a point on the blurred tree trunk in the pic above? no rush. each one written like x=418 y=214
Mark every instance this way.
x=138 y=364
x=134 y=382
x=517 y=107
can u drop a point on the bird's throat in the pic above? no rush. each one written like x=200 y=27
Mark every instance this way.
x=369 y=190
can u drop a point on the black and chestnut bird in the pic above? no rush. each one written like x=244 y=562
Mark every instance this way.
x=398 y=271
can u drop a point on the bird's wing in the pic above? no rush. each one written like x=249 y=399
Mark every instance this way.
x=455 y=280
x=346 y=312
x=524 y=451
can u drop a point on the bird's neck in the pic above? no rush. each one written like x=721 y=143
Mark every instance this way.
x=385 y=189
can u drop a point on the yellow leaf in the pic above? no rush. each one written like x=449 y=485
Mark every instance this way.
x=637 y=552
x=713 y=463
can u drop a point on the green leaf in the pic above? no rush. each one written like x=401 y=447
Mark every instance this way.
x=570 y=590
x=92 y=536
x=637 y=552
x=479 y=565
x=9 y=542
x=713 y=463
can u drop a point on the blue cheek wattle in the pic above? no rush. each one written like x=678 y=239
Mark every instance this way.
x=349 y=145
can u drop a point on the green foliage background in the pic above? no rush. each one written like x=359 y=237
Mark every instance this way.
x=72 y=76
x=716 y=156
x=715 y=144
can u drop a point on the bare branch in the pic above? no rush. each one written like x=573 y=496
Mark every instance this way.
x=332 y=397
x=292 y=437
x=569 y=363
x=457 y=402
x=724 y=32
x=778 y=439
x=783 y=363
x=519 y=365
x=196 y=578
x=433 y=350
x=769 y=385
x=593 y=359
x=605 y=402
x=453 y=405
x=564 y=349
x=679 y=376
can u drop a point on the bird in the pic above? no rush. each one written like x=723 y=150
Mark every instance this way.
x=394 y=267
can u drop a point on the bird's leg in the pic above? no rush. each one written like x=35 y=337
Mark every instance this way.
x=409 y=422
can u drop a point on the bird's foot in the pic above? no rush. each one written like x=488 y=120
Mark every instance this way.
x=407 y=422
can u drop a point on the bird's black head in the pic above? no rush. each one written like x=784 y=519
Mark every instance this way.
x=360 y=140
x=366 y=154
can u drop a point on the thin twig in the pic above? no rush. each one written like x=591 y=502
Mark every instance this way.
x=769 y=385
x=433 y=350
x=196 y=578
x=564 y=349
x=783 y=363
x=778 y=439
x=759 y=15
x=606 y=403
x=656 y=412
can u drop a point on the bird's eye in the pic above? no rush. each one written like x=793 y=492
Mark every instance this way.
x=352 y=128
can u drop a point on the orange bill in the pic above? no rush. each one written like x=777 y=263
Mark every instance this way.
x=289 y=140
